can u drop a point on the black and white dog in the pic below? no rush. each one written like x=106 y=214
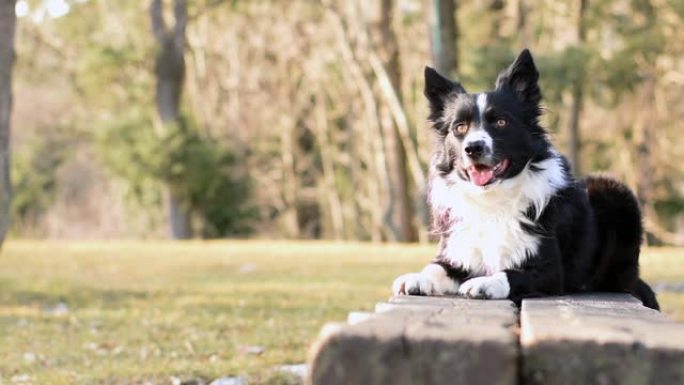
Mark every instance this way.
x=513 y=221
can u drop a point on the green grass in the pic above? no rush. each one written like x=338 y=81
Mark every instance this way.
x=151 y=310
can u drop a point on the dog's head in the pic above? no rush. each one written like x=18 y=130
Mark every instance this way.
x=491 y=136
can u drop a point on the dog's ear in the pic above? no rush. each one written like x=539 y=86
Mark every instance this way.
x=522 y=77
x=437 y=87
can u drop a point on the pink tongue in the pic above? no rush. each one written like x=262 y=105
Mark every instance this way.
x=482 y=176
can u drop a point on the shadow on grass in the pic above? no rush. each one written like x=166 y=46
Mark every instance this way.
x=13 y=295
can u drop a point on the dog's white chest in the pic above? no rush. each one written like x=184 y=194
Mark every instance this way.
x=489 y=244
x=486 y=233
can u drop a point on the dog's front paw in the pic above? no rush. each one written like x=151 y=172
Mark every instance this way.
x=433 y=280
x=490 y=287
x=410 y=284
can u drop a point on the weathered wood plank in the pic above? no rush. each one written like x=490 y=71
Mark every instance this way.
x=601 y=339
x=422 y=340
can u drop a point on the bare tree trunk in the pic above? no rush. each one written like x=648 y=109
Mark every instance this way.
x=393 y=146
x=401 y=212
x=496 y=8
x=179 y=218
x=577 y=96
x=521 y=23
x=645 y=142
x=328 y=186
x=289 y=216
x=170 y=73
x=379 y=185
x=443 y=25
x=444 y=36
x=646 y=123
x=7 y=23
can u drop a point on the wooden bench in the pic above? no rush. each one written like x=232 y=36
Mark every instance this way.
x=601 y=339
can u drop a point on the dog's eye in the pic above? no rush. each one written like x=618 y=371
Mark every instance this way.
x=461 y=128
x=501 y=123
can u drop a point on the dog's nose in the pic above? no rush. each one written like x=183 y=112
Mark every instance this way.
x=475 y=149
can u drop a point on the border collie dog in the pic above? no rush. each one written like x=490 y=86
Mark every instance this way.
x=513 y=221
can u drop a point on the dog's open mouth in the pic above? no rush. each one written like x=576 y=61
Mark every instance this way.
x=482 y=174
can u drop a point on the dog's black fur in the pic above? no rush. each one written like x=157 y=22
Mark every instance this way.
x=489 y=146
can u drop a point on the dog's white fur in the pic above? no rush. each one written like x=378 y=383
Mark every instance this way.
x=492 y=287
x=477 y=133
x=486 y=235
x=482 y=105
x=432 y=280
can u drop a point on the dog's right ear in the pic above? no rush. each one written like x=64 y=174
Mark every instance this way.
x=437 y=87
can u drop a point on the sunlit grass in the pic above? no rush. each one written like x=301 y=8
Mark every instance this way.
x=666 y=265
x=151 y=310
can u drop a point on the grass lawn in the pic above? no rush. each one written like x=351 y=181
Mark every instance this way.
x=130 y=312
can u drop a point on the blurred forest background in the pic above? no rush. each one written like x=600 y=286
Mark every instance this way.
x=305 y=119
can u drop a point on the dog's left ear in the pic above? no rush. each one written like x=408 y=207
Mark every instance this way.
x=522 y=77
